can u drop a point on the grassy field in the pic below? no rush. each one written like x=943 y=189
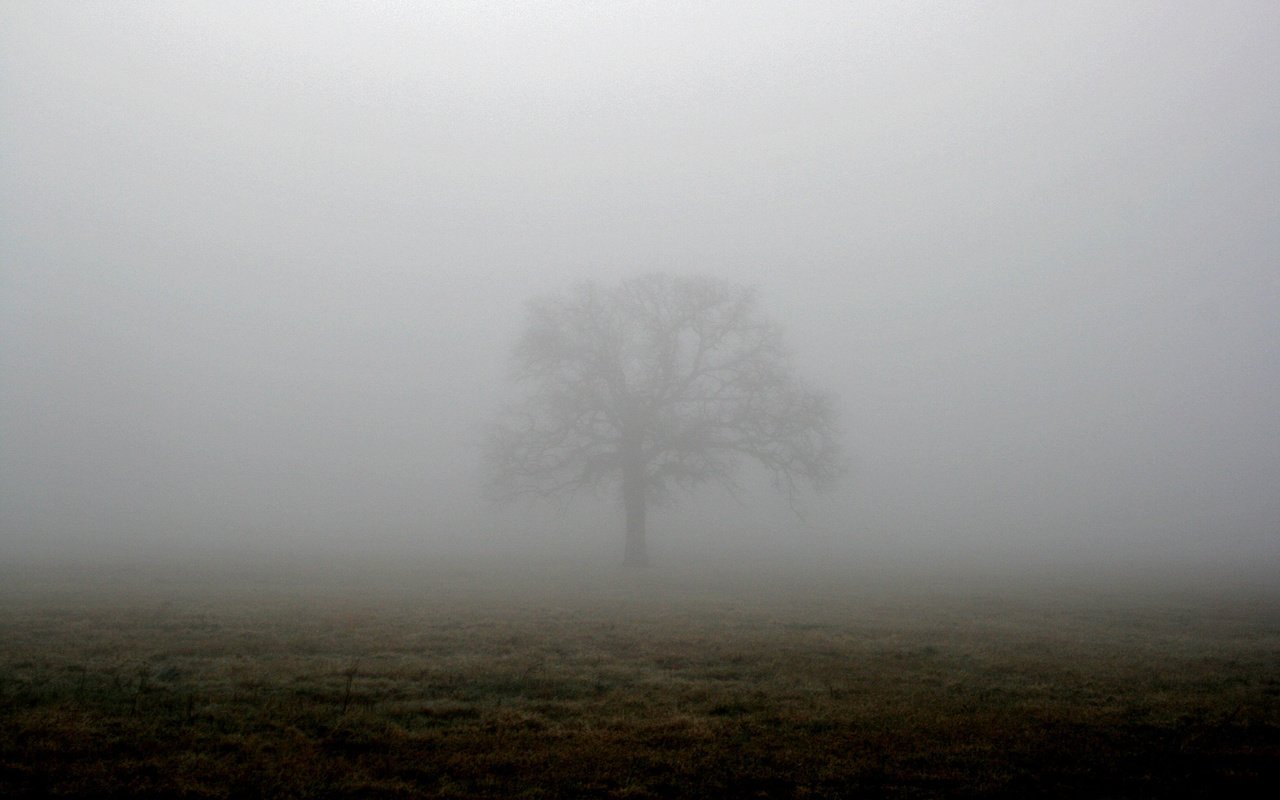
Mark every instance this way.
x=480 y=680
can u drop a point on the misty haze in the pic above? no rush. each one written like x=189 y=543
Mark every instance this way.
x=658 y=399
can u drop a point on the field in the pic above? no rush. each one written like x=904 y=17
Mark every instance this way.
x=474 y=679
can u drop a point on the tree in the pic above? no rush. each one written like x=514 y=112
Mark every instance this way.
x=657 y=384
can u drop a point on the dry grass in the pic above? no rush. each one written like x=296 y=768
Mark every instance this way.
x=471 y=682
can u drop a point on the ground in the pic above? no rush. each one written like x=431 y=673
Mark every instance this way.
x=480 y=679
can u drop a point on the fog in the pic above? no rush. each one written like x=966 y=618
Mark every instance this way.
x=262 y=265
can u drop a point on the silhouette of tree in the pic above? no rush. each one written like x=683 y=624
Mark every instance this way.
x=657 y=384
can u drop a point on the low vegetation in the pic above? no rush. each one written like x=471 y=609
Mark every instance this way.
x=589 y=682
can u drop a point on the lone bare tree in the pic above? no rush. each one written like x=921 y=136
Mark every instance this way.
x=656 y=384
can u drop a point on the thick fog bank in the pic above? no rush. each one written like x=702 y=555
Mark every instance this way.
x=262 y=267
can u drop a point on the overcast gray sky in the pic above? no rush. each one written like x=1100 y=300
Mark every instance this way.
x=261 y=263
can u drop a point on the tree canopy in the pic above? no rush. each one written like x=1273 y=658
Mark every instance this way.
x=656 y=384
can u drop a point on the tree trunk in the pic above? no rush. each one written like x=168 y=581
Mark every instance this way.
x=634 y=500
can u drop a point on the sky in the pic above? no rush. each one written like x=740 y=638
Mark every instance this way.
x=261 y=264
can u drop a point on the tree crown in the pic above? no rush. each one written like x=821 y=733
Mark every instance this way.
x=683 y=378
